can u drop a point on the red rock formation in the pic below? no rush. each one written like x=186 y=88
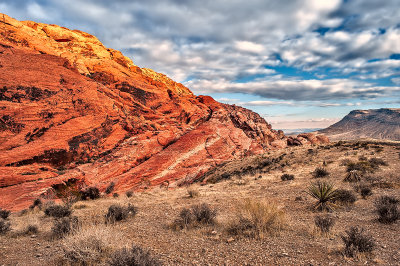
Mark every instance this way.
x=74 y=113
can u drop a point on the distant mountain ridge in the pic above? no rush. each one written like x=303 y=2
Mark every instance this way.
x=381 y=123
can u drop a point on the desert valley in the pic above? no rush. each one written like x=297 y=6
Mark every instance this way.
x=104 y=162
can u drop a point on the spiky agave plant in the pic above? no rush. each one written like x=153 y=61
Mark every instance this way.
x=325 y=193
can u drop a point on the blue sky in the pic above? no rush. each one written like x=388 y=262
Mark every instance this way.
x=299 y=63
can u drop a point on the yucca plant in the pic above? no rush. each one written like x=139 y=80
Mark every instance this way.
x=325 y=193
x=352 y=176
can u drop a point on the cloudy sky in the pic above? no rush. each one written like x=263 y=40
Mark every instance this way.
x=299 y=63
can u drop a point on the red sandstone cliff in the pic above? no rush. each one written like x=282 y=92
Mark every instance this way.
x=74 y=112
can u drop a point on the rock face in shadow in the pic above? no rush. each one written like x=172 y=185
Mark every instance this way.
x=374 y=123
x=75 y=113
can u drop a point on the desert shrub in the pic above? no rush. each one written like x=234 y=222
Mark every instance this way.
x=325 y=193
x=345 y=162
x=36 y=203
x=324 y=223
x=353 y=176
x=204 y=214
x=31 y=229
x=356 y=240
x=90 y=193
x=286 y=177
x=367 y=166
x=376 y=162
x=129 y=193
x=4 y=214
x=115 y=195
x=185 y=218
x=320 y=172
x=195 y=215
x=4 y=227
x=387 y=209
x=64 y=226
x=110 y=188
x=132 y=256
x=58 y=211
x=256 y=219
x=363 y=167
x=193 y=193
x=345 y=197
x=364 y=190
x=91 y=245
x=118 y=213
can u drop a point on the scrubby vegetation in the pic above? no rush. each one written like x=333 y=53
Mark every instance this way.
x=199 y=214
x=320 y=172
x=36 y=203
x=90 y=193
x=64 y=226
x=324 y=223
x=387 y=209
x=4 y=214
x=58 y=211
x=286 y=177
x=31 y=229
x=356 y=241
x=345 y=197
x=132 y=256
x=365 y=190
x=118 y=213
x=4 y=226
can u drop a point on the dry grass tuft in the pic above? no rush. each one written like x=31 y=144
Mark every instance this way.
x=91 y=245
x=257 y=219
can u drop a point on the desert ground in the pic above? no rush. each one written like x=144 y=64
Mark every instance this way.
x=293 y=239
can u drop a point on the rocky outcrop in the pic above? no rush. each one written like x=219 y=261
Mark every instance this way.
x=75 y=113
x=374 y=123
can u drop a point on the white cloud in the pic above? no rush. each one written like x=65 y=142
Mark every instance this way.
x=299 y=90
x=251 y=47
x=213 y=44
